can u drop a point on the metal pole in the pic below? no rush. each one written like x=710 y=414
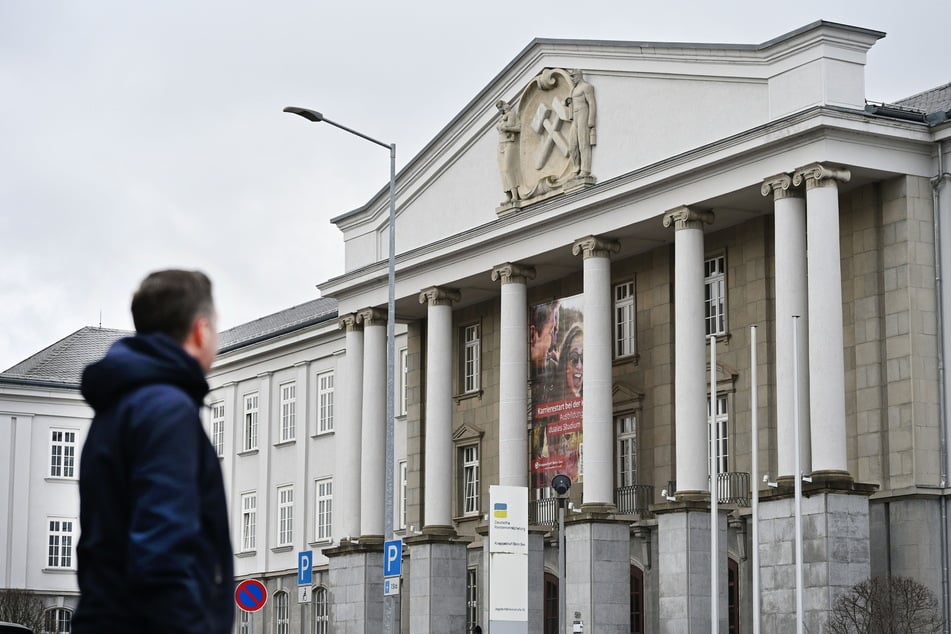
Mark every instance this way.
x=562 y=569
x=754 y=450
x=389 y=612
x=797 y=487
x=714 y=494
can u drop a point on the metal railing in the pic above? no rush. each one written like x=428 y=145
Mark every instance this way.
x=634 y=499
x=543 y=512
x=733 y=487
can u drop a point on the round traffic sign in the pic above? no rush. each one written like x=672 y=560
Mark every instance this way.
x=250 y=595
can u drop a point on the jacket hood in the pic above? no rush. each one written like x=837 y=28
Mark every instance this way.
x=142 y=360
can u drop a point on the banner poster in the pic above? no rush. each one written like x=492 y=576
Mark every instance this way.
x=556 y=344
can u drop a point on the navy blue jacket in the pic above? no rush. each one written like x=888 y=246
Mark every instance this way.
x=154 y=554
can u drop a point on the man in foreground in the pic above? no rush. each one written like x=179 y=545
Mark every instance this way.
x=155 y=552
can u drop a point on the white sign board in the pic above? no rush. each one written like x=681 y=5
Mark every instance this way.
x=508 y=555
x=303 y=594
x=508 y=519
x=391 y=586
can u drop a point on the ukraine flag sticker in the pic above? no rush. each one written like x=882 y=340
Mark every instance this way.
x=500 y=510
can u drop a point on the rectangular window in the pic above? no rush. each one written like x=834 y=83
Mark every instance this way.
x=60 y=541
x=324 y=507
x=288 y=411
x=472 y=599
x=403 y=491
x=626 y=451
x=281 y=619
x=249 y=513
x=470 y=480
x=250 y=422
x=285 y=515
x=472 y=349
x=401 y=377
x=62 y=453
x=218 y=427
x=714 y=283
x=721 y=423
x=624 y=319
x=325 y=402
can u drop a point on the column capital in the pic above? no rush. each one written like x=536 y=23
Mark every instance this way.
x=371 y=317
x=595 y=247
x=781 y=186
x=687 y=218
x=511 y=273
x=350 y=322
x=439 y=296
x=819 y=175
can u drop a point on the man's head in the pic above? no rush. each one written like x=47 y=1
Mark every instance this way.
x=179 y=304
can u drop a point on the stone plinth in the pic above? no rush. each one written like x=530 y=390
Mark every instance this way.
x=356 y=579
x=598 y=562
x=437 y=587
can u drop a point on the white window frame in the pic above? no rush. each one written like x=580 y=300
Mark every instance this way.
x=325 y=402
x=470 y=479
x=401 y=377
x=722 y=423
x=281 y=613
x=60 y=554
x=472 y=598
x=401 y=518
x=250 y=426
x=57 y=621
x=218 y=427
x=471 y=357
x=625 y=325
x=626 y=427
x=323 y=510
x=249 y=520
x=285 y=515
x=288 y=411
x=714 y=295
x=62 y=453
x=321 y=610
x=244 y=622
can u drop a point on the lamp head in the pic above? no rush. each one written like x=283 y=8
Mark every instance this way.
x=561 y=483
x=307 y=113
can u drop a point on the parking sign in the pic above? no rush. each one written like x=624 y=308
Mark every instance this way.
x=305 y=568
x=393 y=558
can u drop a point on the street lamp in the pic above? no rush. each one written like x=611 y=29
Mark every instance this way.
x=561 y=483
x=317 y=117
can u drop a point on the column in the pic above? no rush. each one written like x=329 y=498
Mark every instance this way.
x=791 y=299
x=826 y=358
x=347 y=433
x=596 y=382
x=373 y=430
x=437 y=480
x=690 y=352
x=513 y=373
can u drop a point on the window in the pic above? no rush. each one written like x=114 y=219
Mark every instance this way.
x=280 y=612
x=288 y=411
x=401 y=377
x=218 y=427
x=714 y=283
x=550 y=602
x=325 y=505
x=321 y=610
x=721 y=423
x=62 y=453
x=472 y=599
x=244 y=622
x=471 y=345
x=250 y=421
x=401 y=520
x=325 y=402
x=626 y=451
x=285 y=515
x=57 y=621
x=470 y=479
x=637 y=600
x=624 y=319
x=249 y=512
x=60 y=552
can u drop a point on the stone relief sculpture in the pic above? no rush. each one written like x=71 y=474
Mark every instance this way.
x=546 y=138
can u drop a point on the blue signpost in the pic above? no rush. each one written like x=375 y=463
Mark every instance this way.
x=305 y=568
x=393 y=558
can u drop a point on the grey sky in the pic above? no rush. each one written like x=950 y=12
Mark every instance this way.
x=137 y=136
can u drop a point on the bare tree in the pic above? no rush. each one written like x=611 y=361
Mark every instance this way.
x=895 y=605
x=22 y=607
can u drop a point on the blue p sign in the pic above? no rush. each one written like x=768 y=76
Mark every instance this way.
x=305 y=572
x=392 y=558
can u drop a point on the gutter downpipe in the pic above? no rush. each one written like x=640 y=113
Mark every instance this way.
x=937 y=190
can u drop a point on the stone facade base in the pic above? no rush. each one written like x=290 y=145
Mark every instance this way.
x=598 y=563
x=356 y=576
x=437 y=587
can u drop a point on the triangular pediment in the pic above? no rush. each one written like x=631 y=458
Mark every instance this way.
x=467 y=432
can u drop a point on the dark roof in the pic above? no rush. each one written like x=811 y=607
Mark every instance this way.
x=62 y=363
x=930 y=101
x=282 y=322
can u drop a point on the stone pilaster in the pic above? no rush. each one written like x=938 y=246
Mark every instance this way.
x=826 y=356
x=598 y=415
x=437 y=470
x=373 y=429
x=347 y=433
x=513 y=373
x=598 y=570
x=437 y=586
x=791 y=299
x=690 y=388
x=356 y=576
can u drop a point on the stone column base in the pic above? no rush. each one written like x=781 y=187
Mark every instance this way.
x=437 y=585
x=356 y=585
x=598 y=562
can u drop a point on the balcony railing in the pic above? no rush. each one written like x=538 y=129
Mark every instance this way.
x=634 y=499
x=543 y=512
x=733 y=487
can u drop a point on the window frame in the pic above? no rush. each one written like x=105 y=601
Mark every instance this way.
x=715 y=294
x=470 y=342
x=323 y=509
x=249 y=514
x=626 y=446
x=60 y=551
x=61 y=620
x=62 y=454
x=402 y=367
x=320 y=609
x=217 y=410
x=250 y=428
x=472 y=598
x=402 y=470
x=288 y=416
x=281 y=613
x=326 y=391
x=285 y=515
x=722 y=424
x=625 y=320
x=470 y=465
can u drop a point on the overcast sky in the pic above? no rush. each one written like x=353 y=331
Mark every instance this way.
x=144 y=135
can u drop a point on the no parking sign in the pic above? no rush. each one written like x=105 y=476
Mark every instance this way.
x=250 y=595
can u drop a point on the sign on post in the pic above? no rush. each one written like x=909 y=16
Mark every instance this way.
x=305 y=568
x=250 y=595
x=392 y=558
x=391 y=587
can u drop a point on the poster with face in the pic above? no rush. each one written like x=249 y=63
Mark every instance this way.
x=556 y=351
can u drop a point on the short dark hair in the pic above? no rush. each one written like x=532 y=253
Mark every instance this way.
x=169 y=301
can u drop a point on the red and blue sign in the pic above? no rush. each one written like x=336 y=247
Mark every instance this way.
x=250 y=595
